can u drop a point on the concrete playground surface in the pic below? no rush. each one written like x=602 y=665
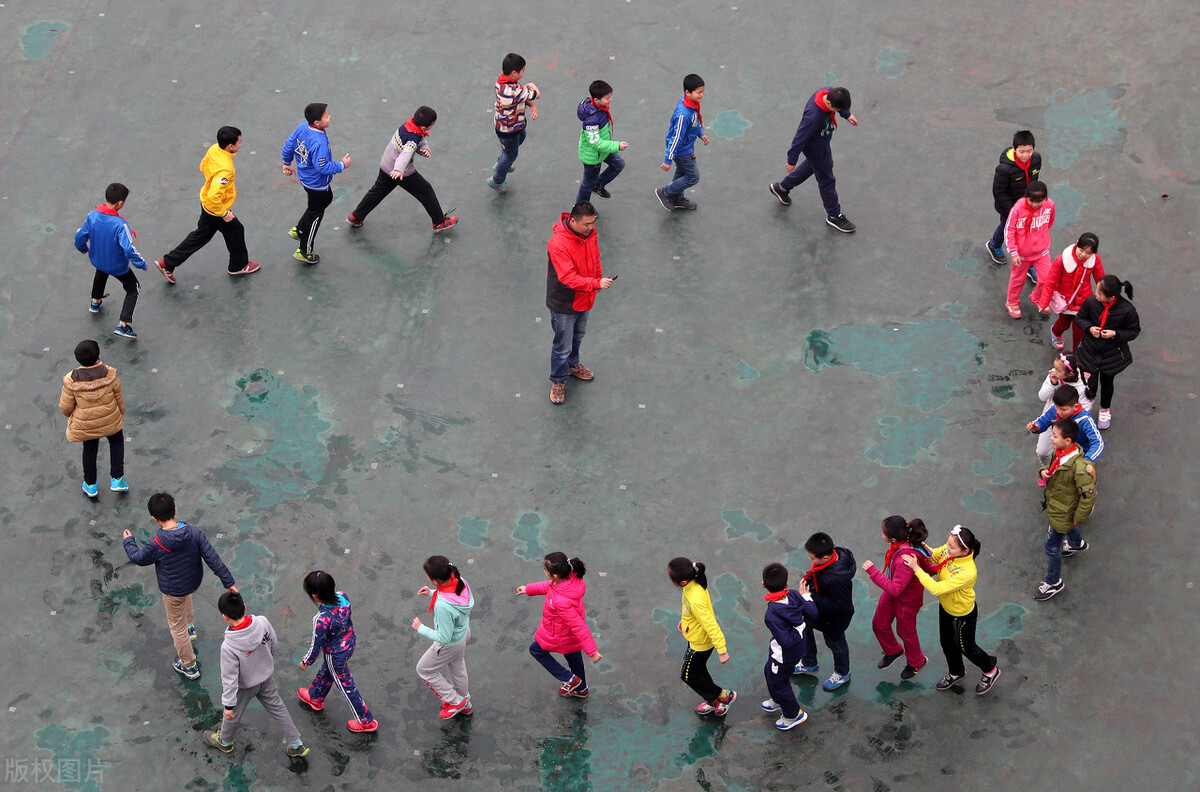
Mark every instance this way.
x=759 y=377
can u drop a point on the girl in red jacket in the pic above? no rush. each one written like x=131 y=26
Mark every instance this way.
x=563 y=628
x=902 y=594
x=1069 y=284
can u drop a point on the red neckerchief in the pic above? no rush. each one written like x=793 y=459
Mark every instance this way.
x=243 y=626
x=694 y=106
x=449 y=587
x=1058 y=458
x=933 y=569
x=1104 y=314
x=108 y=210
x=775 y=596
x=1078 y=409
x=1025 y=166
x=504 y=78
x=823 y=104
x=606 y=111
x=892 y=550
x=812 y=573
x=416 y=130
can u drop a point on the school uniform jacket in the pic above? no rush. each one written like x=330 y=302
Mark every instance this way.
x=816 y=125
x=698 y=622
x=683 y=131
x=955 y=583
x=787 y=620
x=1090 y=441
x=108 y=241
x=1027 y=230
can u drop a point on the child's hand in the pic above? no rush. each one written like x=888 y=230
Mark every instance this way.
x=416 y=623
x=705 y=139
x=288 y=170
x=423 y=591
x=1091 y=470
x=803 y=586
x=790 y=168
x=397 y=175
x=597 y=657
x=667 y=166
x=867 y=566
x=723 y=657
x=1044 y=473
x=424 y=153
x=303 y=666
x=229 y=713
x=520 y=589
x=346 y=160
x=1053 y=377
x=679 y=626
x=1016 y=260
x=128 y=533
x=909 y=561
x=623 y=145
x=1103 y=333
x=1032 y=426
x=853 y=121
x=532 y=111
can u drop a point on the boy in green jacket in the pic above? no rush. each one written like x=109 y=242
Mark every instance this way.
x=1069 y=498
x=596 y=146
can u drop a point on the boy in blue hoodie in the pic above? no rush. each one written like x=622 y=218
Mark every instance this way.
x=787 y=617
x=1066 y=405
x=111 y=251
x=686 y=126
x=596 y=146
x=315 y=167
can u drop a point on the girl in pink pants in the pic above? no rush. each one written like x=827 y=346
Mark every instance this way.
x=1027 y=237
x=902 y=594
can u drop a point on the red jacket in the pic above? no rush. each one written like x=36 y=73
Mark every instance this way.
x=899 y=581
x=1066 y=273
x=563 y=628
x=1027 y=231
x=572 y=269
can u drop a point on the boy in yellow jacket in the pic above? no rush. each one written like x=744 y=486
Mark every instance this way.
x=95 y=408
x=216 y=210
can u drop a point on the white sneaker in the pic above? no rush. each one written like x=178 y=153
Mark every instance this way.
x=783 y=724
x=770 y=706
x=1105 y=420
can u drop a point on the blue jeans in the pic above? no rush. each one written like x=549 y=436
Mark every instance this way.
x=818 y=161
x=509 y=149
x=687 y=174
x=1054 y=541
x=836 y=641
x=997 y=241
x=593 y=178
x=568 y=335
x=574 y=660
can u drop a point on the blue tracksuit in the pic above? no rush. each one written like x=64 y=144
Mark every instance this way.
x=315 y=165
x=787 y=619
x=1090 y=440
x=681 y=135
x=106 y=238
x=333 y=640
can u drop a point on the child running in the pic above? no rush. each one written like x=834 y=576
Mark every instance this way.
x=699 y=626
x=333 y=641
x=450 y=603
x=106 y=239
x=787 y=617
x=596 y=146
x=563 y=628
x=902 y=594
x=686 y=126
x=1065 y=371
x=513 y=102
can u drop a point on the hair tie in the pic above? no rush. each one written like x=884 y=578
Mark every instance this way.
x=1063 y=357
x=694 y=567
x=956 y=530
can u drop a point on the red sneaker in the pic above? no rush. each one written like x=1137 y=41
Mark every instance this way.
x=316 y=706
x=450 y=710
x=354 y=222
x=448 y=222
x=251 y=266
x=166 y=273
x=359 y=726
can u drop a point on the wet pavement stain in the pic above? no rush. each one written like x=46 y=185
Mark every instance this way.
x=1000 y=456
x=967 y=267
x=1068 y=205
x=1074 y=122
x=75 y=756
x=892 y=62
x=253 y=566
x=746 y=372
x=980 y=501
x=738 y=523
x=729 y=124
x=528 y=531
x=905 y=439
x=132 y=596
x=472 y=531
x=37 y=38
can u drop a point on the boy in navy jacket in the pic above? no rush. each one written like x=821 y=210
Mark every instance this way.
x=686 y=126
x=831 y=581
x=788 y=616
x=812 y=139
x=315 y=167
x=106 y=239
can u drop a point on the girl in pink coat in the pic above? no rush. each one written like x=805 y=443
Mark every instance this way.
x=902 y=595
x=563 y=629
x=1027 y=237
x=1071 y=278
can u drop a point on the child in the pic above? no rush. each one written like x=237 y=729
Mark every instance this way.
x=1018 y=168
x=812 y=139
x=1108 y=322
x=450 y=603
x=563 y=628
x=1027 y=236
x=315 y=168
x=176 y=551
x=396 y=169
x=95 y=407
x=902 y=595
x=788 y=615
x=1066 y=405
x=1065 y=371
x=1068 y=500
x=248 y=672
x=596 y=146
x=512 y=100
x=954 y=565
x=830 y=581
x=333 y=641
x=699 y=626
x=1069 y=284
x=111 y=252
x=686 y=125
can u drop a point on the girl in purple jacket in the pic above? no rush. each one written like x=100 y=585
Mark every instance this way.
x=333 y=641
x=563 y=628
x=902 y=594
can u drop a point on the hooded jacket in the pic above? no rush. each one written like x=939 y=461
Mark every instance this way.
x=563 y=628
x=697 y=621
x=955 y=583
x=816 y=126
x=1010 y=180
x=451 y=617
x=1072 y=279
x=1027 y=230
x=219 y=190
x=106 y=238
x=897 y=580
x=833 y=592
x=315 y=165
x=1090 y=441
x=333 y=630
x=1107 y=355
x=573 y=270
x=787 y=619
x=595 y=138
x=93 y=403
x=1070 y=493
x=247 y=657
x=176 y=554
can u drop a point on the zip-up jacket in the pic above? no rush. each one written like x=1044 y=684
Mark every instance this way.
x=1027 y=230
x=1010 y=180
x=1046 y=393
x=563 y=627
x=1072 y=279
x=511 y=101
x=1090 y=441
x=315 y=165
x=833 y=592
x=1107 y=355
x=405 y=143
x=333 y=630
x=247 y=657
x=698 y=622
x=1070 y=493
x=219 y=190
x=573 y=270
x=897 y=580
x=451 y=617
x=93 y=403
x=106 y=238
x=595 y=138
x=955 y=583
x=787 y=619
x=816 y=126
x=176 y=555
x=683 y=131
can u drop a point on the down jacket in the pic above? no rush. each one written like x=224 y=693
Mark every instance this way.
x=92 y=401
x=176 y=554
x=1010 y=181
x=563 y=628
x=1107 y=355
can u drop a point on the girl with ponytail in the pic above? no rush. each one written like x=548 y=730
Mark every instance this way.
x=563 y=628
x=699 y=626
x=1108 y=322
x=450 y=603
x=902 y=595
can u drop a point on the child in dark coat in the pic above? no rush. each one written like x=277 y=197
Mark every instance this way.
x=830 y=581
x=788 y=616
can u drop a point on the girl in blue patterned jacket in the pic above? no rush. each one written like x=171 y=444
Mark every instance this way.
x=333 y=639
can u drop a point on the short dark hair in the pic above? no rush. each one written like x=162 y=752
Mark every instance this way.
x=1065 y=396
x=775 y=577
x=839 y=99
x=320 y=583
x=692 y=82
x=1067 y=428
x=314 y=111
x=161 y=506
x=116 y=192
x=583 y=209
x=232 y=605
x=599 y=89
x=424 y=116
x=512 y=63
x=227 y=136
x=1088 y=239
x=1023 y=138
x=819 y=544
x=87 y=352
x=1037 y=191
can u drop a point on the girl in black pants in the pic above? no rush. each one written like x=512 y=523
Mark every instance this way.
x=1108 y=322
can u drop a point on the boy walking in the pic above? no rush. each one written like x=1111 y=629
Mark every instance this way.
x=1019 y=167
x=1068 y=500
x=308 y=146
x=107 y=240
x=596 y=146
x=396 y=169
x=512 y=101
x=831 y=582
x=787 y=617
x=1027 y=236
x=176 y=551
x=686 y=126
x=95 y=407
x=812 y=139
x=216 y=210
x=248 y=673
x=1066 y=405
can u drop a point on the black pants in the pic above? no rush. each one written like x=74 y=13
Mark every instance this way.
x=206 y=228
x=129 y=281
x=414 y=184
x=116 y=451
x=958 y=640
x=310 y=221
x=695 y=674
x=1101 y=383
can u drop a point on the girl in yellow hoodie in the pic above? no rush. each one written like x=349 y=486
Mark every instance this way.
x=699 y=625
x=954 y=566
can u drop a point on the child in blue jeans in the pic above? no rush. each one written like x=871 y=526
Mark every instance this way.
x=333 y=640
x=832 y=585
x=686 y=126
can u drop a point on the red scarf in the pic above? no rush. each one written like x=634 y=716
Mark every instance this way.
x=812 y=573
x=1058 y=458
x=504 y=78
x=1104 y=314
x=449 y=587
x=892 y=550
x=108 y=210
x=1023 y=165
x=775 y=596
x=694 y=106
x=416 y=130
x=823 y=104
x=606 y=111
x=933 y=569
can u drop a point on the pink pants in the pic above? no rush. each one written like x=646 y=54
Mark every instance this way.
x=891 y=609
x=1060 y=326
x=1016 y=279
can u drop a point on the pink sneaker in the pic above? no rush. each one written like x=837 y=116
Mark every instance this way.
x=304 y=695
x=1056 y=341
x=450 y=710
x=359 y=727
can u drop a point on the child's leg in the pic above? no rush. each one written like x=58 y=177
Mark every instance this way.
x=906 y=627
x=178 y=609
x=116 y=468
x=614 y=164
x=966 y=642
x=430 y=666
x=820 y=158
x=881 y=625
x=310 y=221
x=556 y=669
x=268 y=694
x=1044 y=448
x=1053 y=549
x=575 y=662
x=778 y=673
x=510 y=148
x=810 y=647
x=694 y=674
x=345 y=682
x=130 y=282
x=416 y=186
x=321 y=683
x=686 y=175
x=1074 y=538
x=234 y=234
x=99 y=281
x=591 y=178
x=229 y=728
x=836 y=641
x=1106 y=390
x=948 y=633
x=457 y=667
x=383 y=186
x=1016 y=281
x=1041 y=292
x=188 y=615
x=1062 y=323
x=91 y=449
x=997 y=240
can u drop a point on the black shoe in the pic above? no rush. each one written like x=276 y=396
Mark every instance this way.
x=1069 y=551
x=603 y=193
x=780 y=193
x=986 y=681
x=909 y=672
x=888 y=659
x=947 y=682
x=1032 y=275
x=841 y=223
x=683 y=203
x=667 y=201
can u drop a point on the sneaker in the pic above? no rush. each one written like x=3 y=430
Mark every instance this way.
x=448 y=221
x=95 y=306
x=299 y=256
x=450 y=710
x=603 y=193
x=306 y=697
x=359 y=727
x=835 y=681
x=887 y=659
x=1069 y=551
x=1105 y=419
x=569 y=687
x=724 y=701
x=511 y=168
x=499 y=187
x=770 y=706
x=840 y=223
x=1013 y=310
x=947 y=682
x=191 y=672
x=161 y=264
x=297 y=750
x=1047 y=590
x=251 y=267
x=91 y=490
x=667 y=201
x=578 y=693
x=558 y=392
x=125 y=331
x=469 y=709
x=1056 y=341
x=783 y=724
x=805 y=669
x=996 y=254
x=214 y=739
x=704 y=708
x=780 y=193
x=683 y=203
x=579 y=372
x=294 y=233
x=192 y=632
x=354 y=222
x=118 y=484
x=911 y=671
x=1032 y=275
x=986 y=681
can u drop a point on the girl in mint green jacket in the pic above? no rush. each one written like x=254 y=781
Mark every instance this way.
x=450 y=603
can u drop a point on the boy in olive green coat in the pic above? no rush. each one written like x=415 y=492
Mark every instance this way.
x=1069 y=498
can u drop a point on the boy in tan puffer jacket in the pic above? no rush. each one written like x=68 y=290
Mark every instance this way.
x=95 y=408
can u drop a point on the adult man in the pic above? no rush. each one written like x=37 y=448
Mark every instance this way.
x=315 y=166
x=216 y=210
x=573 y=275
